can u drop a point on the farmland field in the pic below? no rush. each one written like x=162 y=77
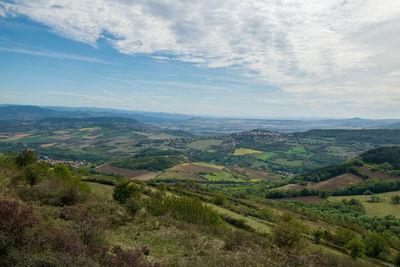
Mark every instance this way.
x=195 y=168
x=221 y=176
x=267 y=156
x=375 y=209
x=246 y=151
x=341 y=181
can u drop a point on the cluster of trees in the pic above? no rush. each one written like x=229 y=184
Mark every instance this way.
x=151 y=163
x=389 y=155
x=325 y=173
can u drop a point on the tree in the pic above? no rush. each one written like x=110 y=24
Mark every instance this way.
x=62 y=171
x=356 y=248
x=33 y=174
x=26 y=157
x=375 y=245
x=124 y=190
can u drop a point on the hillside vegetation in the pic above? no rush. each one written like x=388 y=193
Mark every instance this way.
x=50 y=217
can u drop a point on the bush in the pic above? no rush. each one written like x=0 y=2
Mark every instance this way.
x=127 y=258
x=219 y=199
x=15 y=220
x=317 y=236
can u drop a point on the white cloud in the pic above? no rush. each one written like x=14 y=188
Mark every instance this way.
x=54 y=55
x=313 y=47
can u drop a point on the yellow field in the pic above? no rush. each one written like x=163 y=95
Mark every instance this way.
x=89 y=129
x=208 y=165
x=246 y=151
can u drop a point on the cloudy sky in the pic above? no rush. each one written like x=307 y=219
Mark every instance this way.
x=270 y=58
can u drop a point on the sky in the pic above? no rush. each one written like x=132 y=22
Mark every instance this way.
x=239 y=58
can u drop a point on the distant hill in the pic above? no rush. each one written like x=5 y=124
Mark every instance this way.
x=392 y=126
x=27 y=113
x=54 y=124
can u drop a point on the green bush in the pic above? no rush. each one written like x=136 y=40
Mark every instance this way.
x=219 y=199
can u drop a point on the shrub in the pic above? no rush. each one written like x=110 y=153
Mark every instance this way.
x=219 y=199
x=126 y=258
x=133 y=205
x=317 y=236
x=15 y=219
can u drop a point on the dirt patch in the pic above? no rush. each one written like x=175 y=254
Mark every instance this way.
x=187 y=167
x=128 y=173
x=376 y=175
x=341 y=181
x=304 y=199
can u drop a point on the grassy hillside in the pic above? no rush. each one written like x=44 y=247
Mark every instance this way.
x=61 y=219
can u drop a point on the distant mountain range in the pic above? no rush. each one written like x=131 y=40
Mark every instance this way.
x=202 y=125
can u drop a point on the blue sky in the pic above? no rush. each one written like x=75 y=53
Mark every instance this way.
x=243 y=59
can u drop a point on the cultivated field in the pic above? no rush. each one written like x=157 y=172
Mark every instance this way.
x=341 y=181
x=375 y=209
x=195 y=168
x=246 y=151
